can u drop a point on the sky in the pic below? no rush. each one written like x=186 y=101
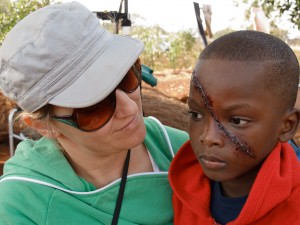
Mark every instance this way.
x=176 y=15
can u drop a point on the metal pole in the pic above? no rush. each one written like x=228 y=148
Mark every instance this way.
x=11 y=131
x=199 y=22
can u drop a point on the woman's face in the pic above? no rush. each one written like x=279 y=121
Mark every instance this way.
x=124 y=130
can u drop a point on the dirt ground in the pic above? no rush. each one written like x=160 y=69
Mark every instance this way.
x=165 y=101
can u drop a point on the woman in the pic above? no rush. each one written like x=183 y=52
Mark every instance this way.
x=99 y=161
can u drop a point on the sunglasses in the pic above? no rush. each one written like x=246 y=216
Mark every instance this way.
x=94 y=117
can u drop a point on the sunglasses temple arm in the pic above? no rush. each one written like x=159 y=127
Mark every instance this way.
x=66 y=121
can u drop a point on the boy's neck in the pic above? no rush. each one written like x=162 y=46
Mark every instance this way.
x=240 y=186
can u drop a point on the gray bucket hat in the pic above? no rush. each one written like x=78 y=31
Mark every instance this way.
x=61 y=55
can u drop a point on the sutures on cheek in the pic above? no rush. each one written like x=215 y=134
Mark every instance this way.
x=241 y=146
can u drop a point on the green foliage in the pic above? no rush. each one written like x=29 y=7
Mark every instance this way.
x=4 y=5
x=280 y=7
x=155 y=40
x=222 y=32
x=182 y=51
x=161 y=49
x=12 y=12
x=277 y=8
x=167 y=50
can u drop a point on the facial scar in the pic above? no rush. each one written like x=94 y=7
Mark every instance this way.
x=241 y=146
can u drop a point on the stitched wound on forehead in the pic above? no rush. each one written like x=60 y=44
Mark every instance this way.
x=241 y=146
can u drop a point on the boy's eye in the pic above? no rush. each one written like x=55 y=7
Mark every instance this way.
x=195 y=115
x=238 y=121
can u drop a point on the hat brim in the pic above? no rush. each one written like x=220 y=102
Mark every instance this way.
x=102 y=76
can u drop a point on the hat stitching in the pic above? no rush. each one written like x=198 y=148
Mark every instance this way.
x=84 y=68
x=43 y=83
x=31 y=42
x=3 y=79
x=38 y=35
x=91 y=43
x=122 y=69
x=75 y=58
x=20 y=51
x=3 y=68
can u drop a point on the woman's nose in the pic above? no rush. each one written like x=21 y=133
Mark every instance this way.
x=126 y=106
x=212 y=134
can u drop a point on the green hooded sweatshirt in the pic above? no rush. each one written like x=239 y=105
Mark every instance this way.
x=40 y=187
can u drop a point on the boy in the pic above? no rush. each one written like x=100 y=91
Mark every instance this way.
x=237 y=167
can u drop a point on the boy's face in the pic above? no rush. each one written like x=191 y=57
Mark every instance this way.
x=234 y=122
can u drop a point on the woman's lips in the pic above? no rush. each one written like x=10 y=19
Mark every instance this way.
x=211 y=162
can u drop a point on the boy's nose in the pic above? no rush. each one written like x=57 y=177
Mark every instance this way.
x=126 y=106
x=211 y=135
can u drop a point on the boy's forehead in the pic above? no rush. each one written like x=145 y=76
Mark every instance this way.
x=229 y=81
x=217 y=71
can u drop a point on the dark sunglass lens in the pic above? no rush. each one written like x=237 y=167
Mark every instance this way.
x=130 y=82
x=96 y=116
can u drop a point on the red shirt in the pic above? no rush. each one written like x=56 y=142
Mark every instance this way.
x=274 y=197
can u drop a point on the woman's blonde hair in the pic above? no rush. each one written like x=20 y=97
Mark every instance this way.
x=42 y=114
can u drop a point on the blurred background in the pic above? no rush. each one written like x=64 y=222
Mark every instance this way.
x=169 y=28
x=174 y=32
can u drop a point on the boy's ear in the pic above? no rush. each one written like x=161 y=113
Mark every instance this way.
x=290 y=126
x=40 y=126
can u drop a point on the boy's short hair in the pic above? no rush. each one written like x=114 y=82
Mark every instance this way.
x=278 y=59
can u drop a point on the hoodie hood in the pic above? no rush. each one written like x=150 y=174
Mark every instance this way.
x=275 y=192
x=43 y=160
x=40 y=176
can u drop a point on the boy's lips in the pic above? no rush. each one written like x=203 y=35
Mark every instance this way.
x=211 y=162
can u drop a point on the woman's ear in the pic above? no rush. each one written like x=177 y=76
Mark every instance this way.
x=290 y=125
x=40 y=126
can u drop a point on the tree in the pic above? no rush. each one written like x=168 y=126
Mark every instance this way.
x=183 y=49
x=4 y=5
x=12 y=12
x=278 y=8
x=155 y=41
